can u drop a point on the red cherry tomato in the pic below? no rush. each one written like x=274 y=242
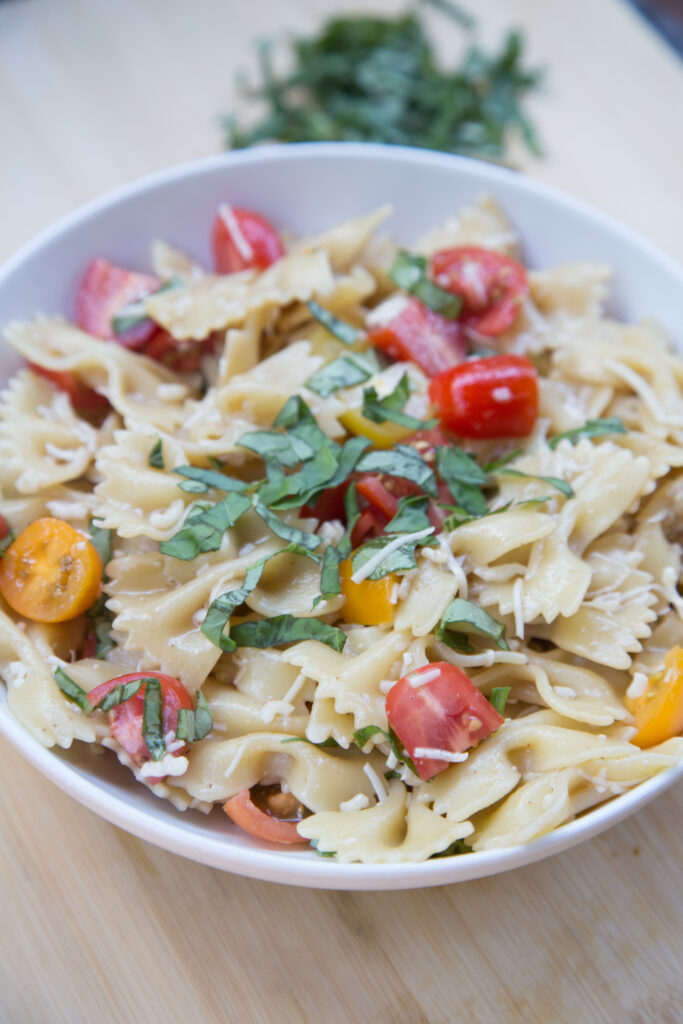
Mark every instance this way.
x=4 y=528
x=243 y=240
x=256 y=822
x=182 y=356
x=83 y=398
x=370 y=524
x=445 y=713
x=423 y=336
x=493 y=397
x=492 y=286
x=374 y=490
x=125 y=720
x=105 y=288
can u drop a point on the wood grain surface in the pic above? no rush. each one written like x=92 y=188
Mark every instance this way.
x=97 y=926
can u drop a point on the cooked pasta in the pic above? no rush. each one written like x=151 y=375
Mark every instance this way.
x=377 y=549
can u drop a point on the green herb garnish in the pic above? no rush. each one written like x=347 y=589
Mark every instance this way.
x=195 y=724
x=133 y=314
x=156 y=455
x=470 y=619
x=286 y=629
x=209 y=478
x=361 y=737
x=402 y=461
x=205 y=527
x=409 y=272
x=6 y=541
x=591 y=428
x=379 y=410
x=72 y=690
x=102 y=540
x=498 y=698
x=338 y=328
x=377 y=79
x=152 y=719
x=555 y=481
x=344 y=372
x=120 y=694
x=329 y=742
x=455 y=849
x=464 y=479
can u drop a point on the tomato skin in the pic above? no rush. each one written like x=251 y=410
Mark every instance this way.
x=257 y=823
x=180 y=356
x=50 y=572
x=446 y=713
x=83 y=398
x=492 y=286
x=4 y=527
x=372 y=488
x=419 y=334
x=485 y=398
x=105 y=288
x=259 y=244
x=125 y=720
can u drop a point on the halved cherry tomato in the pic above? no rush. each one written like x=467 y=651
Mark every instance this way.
x=492 y=286
x=492 y=397
x=258 y=823
x=83 y=398
x=51 y=572
x=181 y=356
x=243 y=240
x=370 y=524
x=376 y=490
x=4 y=527
x=367 y=603
x=125 y=720
x=446 y=713
x=105 y=288
x=423 y=336
x=659 y=712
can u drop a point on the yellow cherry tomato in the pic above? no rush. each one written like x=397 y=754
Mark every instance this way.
x=367 y=603
x=659 y=712
x=50 y=573
x=382 y=435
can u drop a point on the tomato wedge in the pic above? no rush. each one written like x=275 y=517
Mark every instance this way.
x=4 y=527
x=83 y=398
x=258 y=823
x=492 y=397
x=182 y=356
x=105 y=288
x=492 y=286
x=51 y=572
x=419 y=334
x=445 y=712
x=125 y=720
x=243 y=240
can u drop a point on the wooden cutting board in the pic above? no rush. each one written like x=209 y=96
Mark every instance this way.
x=99 y=926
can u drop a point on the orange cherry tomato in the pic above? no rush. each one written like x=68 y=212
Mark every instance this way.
x=659 y=712
x=50 y=573
x=367 y=603
x=258 y=823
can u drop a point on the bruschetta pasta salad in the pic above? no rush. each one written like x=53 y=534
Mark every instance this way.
x=375 y=548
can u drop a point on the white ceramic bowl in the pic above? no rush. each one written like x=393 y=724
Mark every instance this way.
x=304 y=189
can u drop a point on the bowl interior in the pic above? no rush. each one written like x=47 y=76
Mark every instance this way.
x=305 y=189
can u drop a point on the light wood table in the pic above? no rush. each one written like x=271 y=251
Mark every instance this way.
x=98 y=926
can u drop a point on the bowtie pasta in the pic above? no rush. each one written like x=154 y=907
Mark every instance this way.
x=378 y=549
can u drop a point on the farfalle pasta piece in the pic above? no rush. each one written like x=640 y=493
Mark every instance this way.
x=483 y=225
x=579 y=289
x=345 y=243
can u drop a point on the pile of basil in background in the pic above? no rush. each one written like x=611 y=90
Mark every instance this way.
x=374 y=79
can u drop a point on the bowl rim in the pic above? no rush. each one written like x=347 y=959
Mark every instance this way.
x=270 y=863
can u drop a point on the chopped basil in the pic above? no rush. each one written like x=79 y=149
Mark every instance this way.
x=284 y=530
x=555 y=481
x=205 y=527
x=72 y=690
x=470 y=618
x=491 y=467
x=102 y=540
x=6 y=541
x=120 y=694
x=156 y=455
x=339 y=328
x=409 y=272
x=331 y=466
x=133 y=314
x=498 y=698
x=459 y=516
x=464 y=478
x=101 y=620
x=392 y=775
x=457 y=847
x=296 y=417
x=195 y=724
x=288 y=449
x=361 y=737
x=591 y=428
x=379 y=410
x=152 y=719
x=209 y=478
x=397 y=559
x=343 y=372
x=321 y=853
x=286 y=629
x=329 y=742
x=411 y=516
x=330 y=582
x=402 y=461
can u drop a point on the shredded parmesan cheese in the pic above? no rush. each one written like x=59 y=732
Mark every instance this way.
x=440 y=755
x=518 y=606
x=638 y=686
x=230 y=220
x=357 y=803
x=377 y=783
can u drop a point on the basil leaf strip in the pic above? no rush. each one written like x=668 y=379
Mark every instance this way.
x=458 y=846
x=210 y=478
x=286 y=629
x=120 y=694
x=409 y=272
x=555 y=481
x=498 y=698
x=133 y=314
x=204 y=528
x=72 y=690
x=152 y=719
x=156 y=455
x=470 y=618
x=390 y=407
x=398 y=559
x=6 y=541
x=330 y=582
x=491 y=467
x=463 y=477
x=338 y=328
x=591 y=428
x=101 y=620
x=402 y=461
x=288 y=449
x=361 y=737
x=195 y=724
x=284 y=530
x=102 y=540
x=343 y=372
x=329 y=742
x=411 y=516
